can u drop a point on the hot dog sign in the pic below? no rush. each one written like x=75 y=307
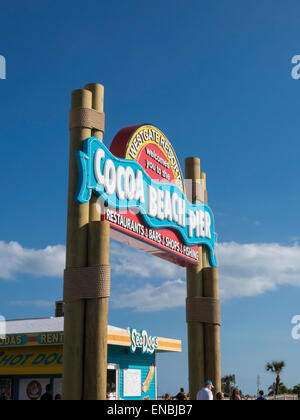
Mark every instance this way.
x=143 y=196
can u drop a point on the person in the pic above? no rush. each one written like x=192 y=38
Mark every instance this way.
x=235 y=395
x=168 y=396
x=181 y=395
x=57 y=397
x=48 y=394
x=261 y=396
x=220 y=396
x=205 y=394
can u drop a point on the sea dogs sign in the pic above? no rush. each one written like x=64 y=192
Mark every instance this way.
x=144 y=197
x=142 y=340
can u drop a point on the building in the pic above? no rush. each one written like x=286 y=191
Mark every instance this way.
x=31 y=356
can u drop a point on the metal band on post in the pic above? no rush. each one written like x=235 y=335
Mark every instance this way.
x=87 y=283
x=204 y=310
x=88 y=118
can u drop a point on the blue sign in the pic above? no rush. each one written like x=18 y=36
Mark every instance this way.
x=123 y=184
x=14 y=340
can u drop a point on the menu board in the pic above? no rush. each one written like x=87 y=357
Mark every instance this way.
x=132 y=383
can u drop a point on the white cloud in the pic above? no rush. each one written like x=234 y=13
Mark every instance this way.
x=170 y=294
x=146 y=283
x=253 y=269
x=16 y=260
x=127 y=261
x=245 y=270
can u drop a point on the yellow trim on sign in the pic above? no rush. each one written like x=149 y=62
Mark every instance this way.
x=161 y=134
x=169 y=346
x=119 y=338
x=46 y=342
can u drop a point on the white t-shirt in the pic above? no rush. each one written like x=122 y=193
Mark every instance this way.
x=205 y=395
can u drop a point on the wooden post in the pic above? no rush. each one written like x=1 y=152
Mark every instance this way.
x=96 y=315
x=211 y=331
x=76 y=256
x=196 y=352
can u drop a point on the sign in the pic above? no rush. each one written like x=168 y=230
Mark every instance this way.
x=13 y=340
x=151 y=210
x=34 y=390
x=149 y=378
x=29 y=361
x=141 y=340
x=132 y=382
x=50 y=338
x=148 y=146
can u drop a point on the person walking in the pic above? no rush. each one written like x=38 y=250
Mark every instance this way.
x=205 y=394
x=235 y=395
x=261 y=396
x=220 y=396
x=181 y=395
x=48 y=394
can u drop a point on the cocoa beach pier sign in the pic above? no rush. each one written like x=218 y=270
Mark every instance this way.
x=140 y=183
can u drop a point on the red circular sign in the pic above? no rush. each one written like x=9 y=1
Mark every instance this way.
x=148 y=146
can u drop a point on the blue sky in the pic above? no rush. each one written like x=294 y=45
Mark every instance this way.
x=215 y=77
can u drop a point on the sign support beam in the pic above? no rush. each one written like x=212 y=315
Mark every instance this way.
x=85 y=348
x=76 y=256
x=212 y=332
x=202 y=283
x=87 y=274
x=96 y=315
x=196 y=349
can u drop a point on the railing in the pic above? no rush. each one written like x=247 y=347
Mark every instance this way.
x=285 y=397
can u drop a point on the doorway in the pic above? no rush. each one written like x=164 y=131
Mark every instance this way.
x=113 y=381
